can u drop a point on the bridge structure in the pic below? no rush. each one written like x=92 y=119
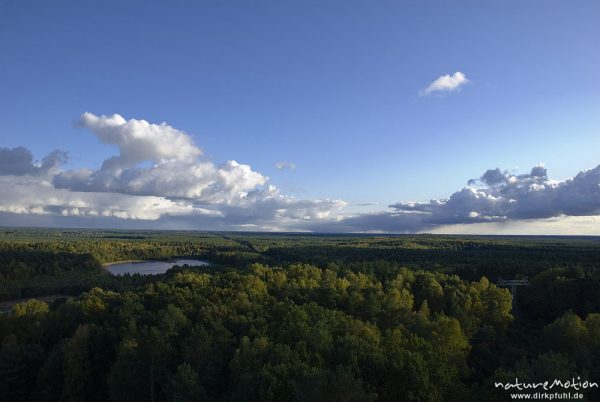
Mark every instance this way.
x=513 y=284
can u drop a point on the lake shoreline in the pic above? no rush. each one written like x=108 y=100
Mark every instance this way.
x=174 y=259
x=155 y=266
x=108 y=264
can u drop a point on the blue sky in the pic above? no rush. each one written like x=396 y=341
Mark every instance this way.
x=333 y=87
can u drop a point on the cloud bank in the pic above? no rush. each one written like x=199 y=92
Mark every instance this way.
x=496 y=196
x=446 y=83
x=159 y=173
x=160 y=179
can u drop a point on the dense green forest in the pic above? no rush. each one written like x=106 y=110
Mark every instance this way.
x=294 y=317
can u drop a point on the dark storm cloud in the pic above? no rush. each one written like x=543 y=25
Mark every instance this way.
x=19 y=161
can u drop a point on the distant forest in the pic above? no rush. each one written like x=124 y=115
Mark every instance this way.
x=294 y=317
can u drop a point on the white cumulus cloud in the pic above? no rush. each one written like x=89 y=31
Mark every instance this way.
x=445 y=83
x=139 y=140
x=176 y=169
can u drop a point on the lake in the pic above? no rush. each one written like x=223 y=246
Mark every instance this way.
x=149 y=267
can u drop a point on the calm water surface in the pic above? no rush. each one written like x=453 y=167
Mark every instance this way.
x=149 y=267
